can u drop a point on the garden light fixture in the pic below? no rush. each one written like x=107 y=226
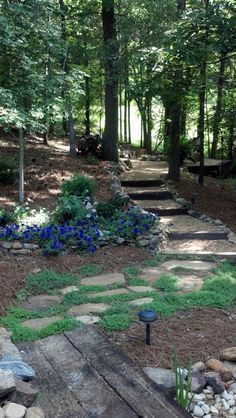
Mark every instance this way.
x=147 y=316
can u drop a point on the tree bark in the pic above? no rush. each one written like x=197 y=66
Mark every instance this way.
x=218 y=111
x=87 y=106
x=21 y=164
x=110 y=137
x=201 y=120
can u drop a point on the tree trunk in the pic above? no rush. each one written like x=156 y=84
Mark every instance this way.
x=120 y=114
x=218 y=112
x=87 y=106
x=21 y=164
x=201 y=120
x=110 y=137
x=129 y=121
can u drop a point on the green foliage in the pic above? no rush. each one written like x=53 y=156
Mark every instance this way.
x=71 y=208
x=47 y=281
x=167 y=283
x=75 y=298
x=108 y=209
x=8 y=171
x=91 y=269
x=92 y=159
x=6 y=218
x=79 y=185
x=117 y=322
x=182 y=387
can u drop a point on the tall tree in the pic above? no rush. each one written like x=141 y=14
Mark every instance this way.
x=110 y=136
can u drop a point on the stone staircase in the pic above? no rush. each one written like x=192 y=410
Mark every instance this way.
x=186 y=233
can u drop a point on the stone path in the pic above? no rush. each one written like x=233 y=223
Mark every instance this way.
x=81 y=374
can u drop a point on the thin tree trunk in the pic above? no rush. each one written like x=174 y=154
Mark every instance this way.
x=218 y=112
x=120 y=114
x=87 y=106
x=21 y=165
x=110 y=137
x=201 y=121
x=129 y=121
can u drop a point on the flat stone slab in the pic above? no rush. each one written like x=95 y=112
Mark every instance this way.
x=88 y=319
x=140 y=302
x=69 y=289
x=187 y=264
x=140 y=289
x=41 y=322
x=150 y=274
x=104 y=279
x=80 y=310
x=190 y=283
x=109 y=293
x=41 y=302
x=163 y=377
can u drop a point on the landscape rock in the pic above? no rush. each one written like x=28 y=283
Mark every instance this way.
x=17 y=245
x=2 y=415
x=80 y=310
x=68 y=289
x=228 y=354
x=198 y=412
x=20 y=369
x=40 y=322
x=141 y=289
x=232 y=367
x=104 y=279
x=88 y=319
x=232 y=237
x=41 y=302
x=199 y=366
x=7 y=382
x=35 y=412
x=24 y=394
x=141 y=301
x=13 y=410
x=163 y=377
x=110 y=293
x=214 y=380
x=198 y=383
x=219 y=367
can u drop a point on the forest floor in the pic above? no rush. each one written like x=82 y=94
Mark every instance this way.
x=46 y=168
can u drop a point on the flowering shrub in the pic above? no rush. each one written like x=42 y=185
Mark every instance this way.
x=53 y=237
x=130 y=223
x=74 y=208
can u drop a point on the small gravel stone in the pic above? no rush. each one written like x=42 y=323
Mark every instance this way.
x=214 y=410
x=225 y=405
x=205 y=408
x=198 y=412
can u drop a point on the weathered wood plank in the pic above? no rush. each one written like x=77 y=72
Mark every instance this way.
x=144 y=397
x=55 y=397
x=89 y=388
x=197 y=235
x=168 y=211
x=162 y=195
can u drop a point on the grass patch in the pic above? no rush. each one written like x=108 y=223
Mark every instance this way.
x=136 y=281
x=48 y=281
x=167 y=283
x=91 y=269
x=74 y=298
x=132 y=272
x=117 y=322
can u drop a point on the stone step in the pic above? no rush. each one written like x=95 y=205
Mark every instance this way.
x=160 y=195
x=197 y=235
x=142 y=183
x=198 y=255
x=168 y=211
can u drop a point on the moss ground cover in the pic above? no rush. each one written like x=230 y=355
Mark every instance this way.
x=217 y=291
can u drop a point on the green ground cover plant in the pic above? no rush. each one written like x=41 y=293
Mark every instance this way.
x=218 y=291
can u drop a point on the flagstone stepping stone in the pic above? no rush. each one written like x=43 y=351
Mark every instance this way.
x=190 y=283
x=142 y=301
x=88 y=319
x=139 y=289
x=187 y=264
x=152 y=273
x=40 y=322
x=109 y=293
x=69 y=289
x=88 y=308
x=104 y=279
x=41 y=302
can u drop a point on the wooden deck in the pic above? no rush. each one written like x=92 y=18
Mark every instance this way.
x=81 y=374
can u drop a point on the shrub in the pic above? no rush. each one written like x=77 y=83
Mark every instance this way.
x=130 y=223
x=79 y=185
x=6 y=218
x=74 y=208
x=107 y=209
x=8 y=171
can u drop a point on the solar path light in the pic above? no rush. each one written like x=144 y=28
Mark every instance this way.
x=147 y=316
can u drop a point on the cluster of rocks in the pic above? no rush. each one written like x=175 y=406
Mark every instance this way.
x=18 y=248
x=17 y=392
x=213 y=385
